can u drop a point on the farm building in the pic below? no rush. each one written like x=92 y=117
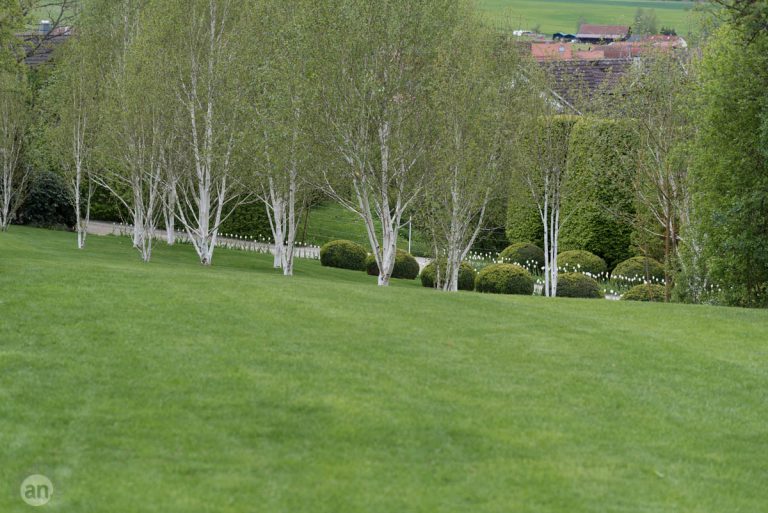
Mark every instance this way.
x=602 y=33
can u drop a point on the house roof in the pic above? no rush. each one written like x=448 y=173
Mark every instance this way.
x=551 y=51
x=579 y=79
x=589 y=31
x=626 y=49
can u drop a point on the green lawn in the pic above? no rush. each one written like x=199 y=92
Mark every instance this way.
x=563 y=15
x=169 y=387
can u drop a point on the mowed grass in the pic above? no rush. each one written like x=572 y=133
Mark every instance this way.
x=169 y=387
x=564 y=15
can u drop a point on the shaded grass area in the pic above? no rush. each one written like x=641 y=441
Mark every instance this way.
x=331 y=221
x=563 y=15
x=171 y=387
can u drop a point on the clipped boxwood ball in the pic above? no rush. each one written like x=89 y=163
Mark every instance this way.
x=343 y=254
x=580 y=261
x=466 y=275
x=577 y=285
x=406 y=267
x=634 y=269
x=504 y=279
x=524 y=254
x=644 y=293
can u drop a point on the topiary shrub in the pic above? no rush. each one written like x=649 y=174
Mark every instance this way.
x=343 y=254
x=633 y=269
x=577 y=285
x=406 y=267
x=504 y=279
x=644 y=293
x=580 y=261
x=467 y=275
x=524 y=254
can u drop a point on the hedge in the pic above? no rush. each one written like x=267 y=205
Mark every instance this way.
x=633 y=269
x=600 y=170
x=577 y=285
x=343 y=254
x=644 y=293
x=406 y=267
x=504 y=279
x=467 y=275
x=581 y=261
x=524 y=254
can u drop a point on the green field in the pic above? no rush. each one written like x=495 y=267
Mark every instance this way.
x=169 y=387
x=563 y=15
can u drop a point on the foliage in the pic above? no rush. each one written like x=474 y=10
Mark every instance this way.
x=467 y=275
x=645 y=292
x=523 y=254
x=730 y=168
x=504 y=279
x=578 y=285
x=406 y=267
x=343 y=254
x=523 y=223
x=635 y=268
x=46 y=204
x=597 y=161
x=580 y=261
x=645 y=23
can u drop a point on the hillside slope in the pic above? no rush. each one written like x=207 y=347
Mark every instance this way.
x=169 y=387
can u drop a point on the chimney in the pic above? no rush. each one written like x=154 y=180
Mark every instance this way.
x=45 y=27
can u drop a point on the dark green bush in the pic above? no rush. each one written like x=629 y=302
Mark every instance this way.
x=579 y=261
x=248 y=220
x=406 y=267
x=634 y=269
x=466 y=275
x=524 y=254
x=343 y=254
x=47 y=204
x=504 y=279
x=577 y=285
x=644 y=293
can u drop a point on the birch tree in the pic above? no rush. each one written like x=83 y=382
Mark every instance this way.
x=14 y=115
x=138 y=127
x=71 y=103
x=281 y=120
x=473 y=102
x=655 y=99
x=206 y=73
x=14 y=119
x=543 y=171
x=375 y=95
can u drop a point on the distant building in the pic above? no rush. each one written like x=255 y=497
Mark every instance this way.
x=39 y=45
x=602 y=33
x=637 y=48
x=552 y=51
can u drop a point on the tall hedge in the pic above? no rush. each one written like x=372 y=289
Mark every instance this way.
x=599 y=162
